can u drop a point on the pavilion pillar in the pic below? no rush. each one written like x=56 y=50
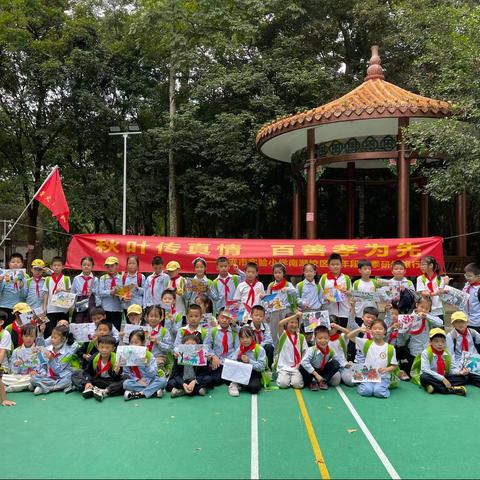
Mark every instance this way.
x=403 y=184
x=311 y=186
x=423 y=211
x=296 y=207
x=461 y=224
x=350 y=215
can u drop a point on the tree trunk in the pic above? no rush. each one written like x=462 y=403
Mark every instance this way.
x=172 y=178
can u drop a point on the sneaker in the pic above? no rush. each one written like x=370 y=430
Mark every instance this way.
x=160 y=393
x=429 y=389
x=233 y=390
x=88 y=392
x=71 y=388
x=403 y=376
x=202 y=392
x=128 y=395
x=38 y=391
x=314 y=386
x=177 y=392
x=99 y=394
x=461 y=390
x=323 y=385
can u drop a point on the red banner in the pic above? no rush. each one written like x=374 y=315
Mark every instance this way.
x=292 y=253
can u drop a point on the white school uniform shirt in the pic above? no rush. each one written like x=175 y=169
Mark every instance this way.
x=361 y=285
x=49 y=289
x=377 y=355
x=310 y=298
x=472 y=307
x=340 y=309
x=180 y=300
x=243 y=291
x=5 y=344
x=437 y=304
x=286 y=356
x=154 y=296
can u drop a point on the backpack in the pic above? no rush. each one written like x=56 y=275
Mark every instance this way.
x=215 y=331
x=203 y=333
x=66 y=282
x=139 y=279
x=390 y=351
x=417 y=363
x=300 y=288
x=265 y=374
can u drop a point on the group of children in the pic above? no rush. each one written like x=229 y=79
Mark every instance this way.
x=41 y=355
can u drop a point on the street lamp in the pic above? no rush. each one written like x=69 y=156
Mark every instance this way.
x=132 y=130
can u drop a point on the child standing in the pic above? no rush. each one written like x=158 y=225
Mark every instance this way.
x=333 y=281
x=291 y=349
x=107 y=289
x=438 y=372
x=178 y=284
x=155 y=284
x=364 y=284
x=33 y=288
x=378 y=354
x=262 y=332
x=56 y=282
x=224 y=286
x=472 y=288
x=133 y=277
x=11 y=292
x=429 y=284
x=173 y=319
x=251 y=291
x=200 y=266
x=85 y=286
x=143 y=382
x=308 y=290
x=249 y=352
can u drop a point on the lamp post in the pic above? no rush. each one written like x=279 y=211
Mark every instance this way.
x=132 y=130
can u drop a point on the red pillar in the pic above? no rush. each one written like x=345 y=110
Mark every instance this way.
x=311 y=186
x=296 y=207
x=403 y=184
x=461 y=224
x=350 y=218
x=423 y=211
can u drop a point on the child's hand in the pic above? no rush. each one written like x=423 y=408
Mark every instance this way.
x=262 y=296
x=18 y=363
x=235 y=268
x=176 y=354
x=8 y=403
x=49 y=355
x=215 y=362
x=41 y=327
x=154 y=339
x=86 y=356
x=298 y=314
x=446 y=279
x=446 y=383
x=318 y=377
x=117 y=369
x=186 y=387
x=121 y=333
x=388 y=306
x=146 y=361
x=244 y=359
x=395 y=326
x=382 y=370
x=464 y=371
x=423 y=315
x=88 y=385
x=112 y=291
x=333 y=325
x=348 y=365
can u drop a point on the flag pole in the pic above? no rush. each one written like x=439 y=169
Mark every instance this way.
x=28 y=205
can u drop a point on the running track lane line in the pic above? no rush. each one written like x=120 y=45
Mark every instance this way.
x=319 y=460
x=376 y=447
x=254 y=475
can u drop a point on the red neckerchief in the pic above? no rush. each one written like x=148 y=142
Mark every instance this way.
x=85 y=285
x=296 y=353
x=226 y=287
x=464 y=340
x=279 y=286
x=244 y=350
x=154 y=332
x=51 y=373
x=18 y=331
x=440 y=361
x=469 y=287
x=174 y=281
x=37 y=286
x=136 y=372
x=421 y=329
x=331 y=276
x=173 y=309
x=430 y=282
x=334 y=337
x=258 y=334
x=393 y=336
x=225 y=341
x=55 y=281
x=114 y=281
x=325 y=352
x=101 y=369
x=251 y=293
x=155 y=276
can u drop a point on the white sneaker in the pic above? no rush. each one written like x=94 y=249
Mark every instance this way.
x=160 y=393
x=88 y=392
x=233 y=390
x=38 y=391
x=128 y=395
x=177 y=392
x=99 y=394
x=202 y=392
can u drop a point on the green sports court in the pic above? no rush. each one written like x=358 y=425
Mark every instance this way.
x=276 y=434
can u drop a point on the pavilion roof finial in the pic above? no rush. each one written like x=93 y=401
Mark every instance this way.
x=374 y=70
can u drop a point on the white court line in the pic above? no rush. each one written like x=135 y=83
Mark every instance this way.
x=380 y=454
x=254 y=475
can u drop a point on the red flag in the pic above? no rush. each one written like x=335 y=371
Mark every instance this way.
x=52 y=196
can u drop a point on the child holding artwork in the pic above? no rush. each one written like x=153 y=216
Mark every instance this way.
x=206 y=304
x=199 y=283
x=286 y=296
x=224 y=341
x=89 y=349
x=370 y=314
x=338 y=342
x=462 y=339
x=292 y=347
x=33 y=287
x=159 y=342
x=224 y=286
x=85 y=286
x=188 y=379
x=335 y=285
x=430 y=284
x=142 y=382
x=25 y=362
x=250 y=352
x=194 y=315
x=97 y=314
x=102 y=377
x=136 y=280
x=251 y=291
x=178 y=284
x=472 y=289
x=173 y=319
x=391 y=321
x=262 y=332
x=15 y=328
x=438 y=371
x=378 y=354
x=399 y=280
x=59 y=356
x=308 y=290
x=319 y=366
x=155 y=284
x=108 y=286
x=364 y=284
x=11 y=290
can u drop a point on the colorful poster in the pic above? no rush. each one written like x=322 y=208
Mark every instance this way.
x=128 y=328
x=131 y=355
x=361 y=296
x=315 y=318
x=235 y=309
x=194 y=355
x=265 y=252
x=208 y=321
x=125 y=292
x=389 y=294
x=26 y=318
x=274 y=302
x=405 y=322
x=83 y=332
x=362 y=373
x=63 y=299
x=196 y=286
x=455 y=297
x=333 y=295
x=237 y=372
x=471 y=361
x=14 y=276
